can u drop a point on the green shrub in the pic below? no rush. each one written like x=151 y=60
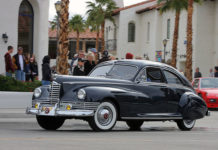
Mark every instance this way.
x=10 y=84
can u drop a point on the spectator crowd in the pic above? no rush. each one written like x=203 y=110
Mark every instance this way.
x=25 y=68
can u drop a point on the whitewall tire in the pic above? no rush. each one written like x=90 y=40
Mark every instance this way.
x=105 y=117
x=186 y=125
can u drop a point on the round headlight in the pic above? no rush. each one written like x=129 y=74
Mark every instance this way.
x=81 y=94
x=37 y=92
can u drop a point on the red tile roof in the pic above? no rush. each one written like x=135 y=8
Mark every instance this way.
x=117 y=11
x=155 y=6
x=72 y=35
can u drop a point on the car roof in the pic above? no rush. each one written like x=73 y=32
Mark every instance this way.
x=139 y=63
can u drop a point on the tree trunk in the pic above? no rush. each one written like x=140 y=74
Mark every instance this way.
x=97 y=41
x=102 y=38
x=188 y=69
x=63 y=51
x=77 y=42
x=175 y=40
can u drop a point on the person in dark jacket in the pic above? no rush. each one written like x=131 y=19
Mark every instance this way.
x=46 y=71
x=33 y=68
x=90 y=63
x=197 y=73
x=216 y=72
x=9 y=68
x=79 y=69
x=19 y=65
x=105 y=57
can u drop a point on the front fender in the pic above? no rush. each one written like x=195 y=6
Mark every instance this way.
x=192 y=106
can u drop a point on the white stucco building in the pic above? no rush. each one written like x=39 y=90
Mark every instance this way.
x=140 y=30
x=25 y=22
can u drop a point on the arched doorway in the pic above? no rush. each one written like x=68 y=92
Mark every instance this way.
x=25 y=27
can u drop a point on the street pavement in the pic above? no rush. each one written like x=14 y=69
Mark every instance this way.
x=19 y=131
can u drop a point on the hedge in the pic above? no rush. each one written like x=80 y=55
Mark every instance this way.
x=10 y=84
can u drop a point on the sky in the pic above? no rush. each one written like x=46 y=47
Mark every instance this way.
x=79 y=7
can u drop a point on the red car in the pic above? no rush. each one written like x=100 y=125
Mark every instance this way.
x=207 y=88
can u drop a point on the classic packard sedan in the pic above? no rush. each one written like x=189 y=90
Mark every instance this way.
x=133 y=91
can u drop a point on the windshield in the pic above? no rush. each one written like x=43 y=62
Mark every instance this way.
x=209 y=83
x=125 y=72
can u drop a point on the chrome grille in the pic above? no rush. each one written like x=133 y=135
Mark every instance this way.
x=54 y=93
x=82 y=105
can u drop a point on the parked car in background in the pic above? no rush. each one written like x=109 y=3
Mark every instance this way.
x=207 y=88
x=133 y=91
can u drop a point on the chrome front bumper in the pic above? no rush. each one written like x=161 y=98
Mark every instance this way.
x=55 y=111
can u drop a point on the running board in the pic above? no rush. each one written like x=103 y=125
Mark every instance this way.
x=155 y=116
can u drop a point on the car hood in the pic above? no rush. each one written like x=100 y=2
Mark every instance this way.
x=212 y=91
x=86 y=79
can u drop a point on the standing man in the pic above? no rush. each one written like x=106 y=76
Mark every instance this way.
x=216 y=72
x=211 y=73
x=74 y=62
x=8 y=62
x=19 y=65
x=197 y=73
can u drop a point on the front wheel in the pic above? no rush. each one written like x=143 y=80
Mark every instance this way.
x=50 y=123
x=185 y=125
x=105 y=117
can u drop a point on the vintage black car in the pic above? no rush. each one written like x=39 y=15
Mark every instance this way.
x=133 y=91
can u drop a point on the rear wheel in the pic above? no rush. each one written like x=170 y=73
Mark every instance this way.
x=105 y=117
x=185 y=125
x=50 y=123
x=134 y=125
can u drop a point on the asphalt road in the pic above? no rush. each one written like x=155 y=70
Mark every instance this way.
x=21 y=132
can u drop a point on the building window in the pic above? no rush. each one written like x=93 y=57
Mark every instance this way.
x=25 y=27
x=131 y=32
x=148 y=32
x=168 y=28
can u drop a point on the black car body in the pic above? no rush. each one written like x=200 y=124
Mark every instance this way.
x=128 y=90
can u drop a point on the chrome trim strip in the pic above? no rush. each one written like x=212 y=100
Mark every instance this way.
x=152 y=118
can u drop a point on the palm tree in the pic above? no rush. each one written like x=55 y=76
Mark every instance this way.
x=63 y=51
x=78 y=25
x=94 y=23
x=105 y=9
x=188 y=68
x=53 y=23
x=178 y=6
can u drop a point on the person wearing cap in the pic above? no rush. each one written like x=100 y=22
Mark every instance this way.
x=19 y=65
x=79 y=70
x=95 y=52
x=105 y=57
x=129 y=56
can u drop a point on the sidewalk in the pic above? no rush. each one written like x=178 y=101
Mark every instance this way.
x=15 y=100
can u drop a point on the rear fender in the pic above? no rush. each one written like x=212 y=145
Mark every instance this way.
x=192 y=106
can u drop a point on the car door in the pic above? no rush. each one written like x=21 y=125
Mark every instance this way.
x=176 y=89
x=153 y=86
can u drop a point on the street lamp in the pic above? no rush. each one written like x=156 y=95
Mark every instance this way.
x=58 y=7
x=165 y=45
x=58 y=10
x=5 y=37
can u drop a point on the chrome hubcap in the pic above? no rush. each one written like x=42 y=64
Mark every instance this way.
x=188 y=122
x=104 y=116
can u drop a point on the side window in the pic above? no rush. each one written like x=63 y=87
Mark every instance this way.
x=142 y=76
x=154 y=75
x=196 y=84
x=172 y=78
